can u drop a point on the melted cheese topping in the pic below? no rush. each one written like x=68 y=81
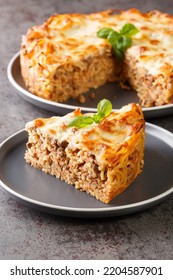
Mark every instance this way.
x=102 y=139
x=68 y=38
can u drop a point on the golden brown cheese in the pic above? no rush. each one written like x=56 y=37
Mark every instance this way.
x=67 y=37
x=102 y=139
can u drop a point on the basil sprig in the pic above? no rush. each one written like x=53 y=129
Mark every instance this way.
x=121 y=40
x=104 y=108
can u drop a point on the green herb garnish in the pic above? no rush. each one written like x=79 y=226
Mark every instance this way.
x=121 y=40
x=104 y=108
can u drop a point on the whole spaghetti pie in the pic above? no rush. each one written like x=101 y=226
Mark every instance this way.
x=64 y=57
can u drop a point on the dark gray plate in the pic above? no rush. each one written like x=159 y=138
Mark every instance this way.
x=111 y=91
x=44 y=192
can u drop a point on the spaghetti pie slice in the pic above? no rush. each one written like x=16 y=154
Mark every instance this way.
x=101 y=159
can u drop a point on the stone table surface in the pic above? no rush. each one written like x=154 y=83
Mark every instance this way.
x=29 y=234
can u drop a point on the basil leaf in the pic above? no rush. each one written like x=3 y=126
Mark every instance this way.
x=104 y=107
x=98 y=117
x=121 y=40
x=80 y=121
x=119 y=53
x=113 y=37
x=123 y=43
x=104 y=32
x=129 y=30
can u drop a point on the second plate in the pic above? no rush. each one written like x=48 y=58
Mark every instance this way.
x=45 y=192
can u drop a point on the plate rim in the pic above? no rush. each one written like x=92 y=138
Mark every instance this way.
x=111 y=209
x=62 y=105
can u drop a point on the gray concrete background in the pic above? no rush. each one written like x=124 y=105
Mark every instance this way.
x=30 y=234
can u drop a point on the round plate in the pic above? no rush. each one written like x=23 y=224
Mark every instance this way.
x=111 y=91
x=45 y=192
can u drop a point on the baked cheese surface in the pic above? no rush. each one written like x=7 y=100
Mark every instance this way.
x=68 y=38
x=112 y=134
